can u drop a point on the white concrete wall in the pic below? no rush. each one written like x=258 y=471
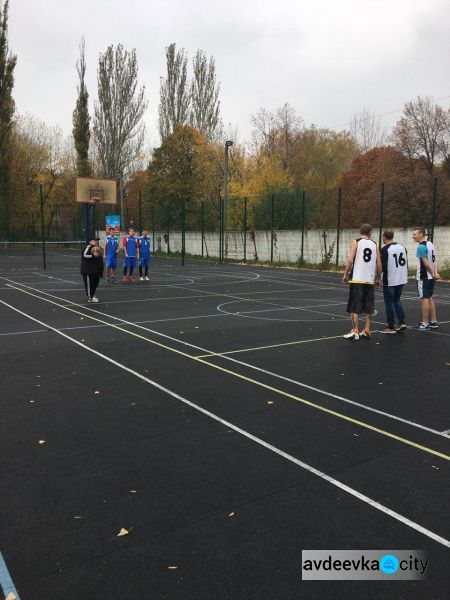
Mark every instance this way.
x=287 y=247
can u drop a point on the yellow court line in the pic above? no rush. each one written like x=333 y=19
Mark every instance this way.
x=211 y=354
x=248 y=379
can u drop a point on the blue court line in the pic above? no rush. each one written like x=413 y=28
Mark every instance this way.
x=6 y=583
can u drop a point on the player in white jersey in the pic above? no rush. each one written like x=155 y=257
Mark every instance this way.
x=394 y=260
x=426 y=276
x=362 y=271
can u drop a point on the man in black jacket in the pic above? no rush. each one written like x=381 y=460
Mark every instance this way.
x=91 y=268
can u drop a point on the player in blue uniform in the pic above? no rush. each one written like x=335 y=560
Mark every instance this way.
x=111 y=251
x=131 y=248
x=144 y=254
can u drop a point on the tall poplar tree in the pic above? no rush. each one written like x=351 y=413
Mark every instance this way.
x=7 y=107
x=81 y=119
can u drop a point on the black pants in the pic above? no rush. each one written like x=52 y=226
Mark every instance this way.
x=146 y=270
x=91 y=284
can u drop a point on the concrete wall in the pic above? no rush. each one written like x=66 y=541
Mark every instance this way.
x=287 y=247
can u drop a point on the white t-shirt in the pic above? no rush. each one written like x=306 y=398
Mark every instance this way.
x=394 y=259
x=365 y=262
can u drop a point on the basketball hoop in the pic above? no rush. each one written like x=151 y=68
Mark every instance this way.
x=96 y=196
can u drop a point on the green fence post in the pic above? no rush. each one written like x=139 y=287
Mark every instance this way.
x=168 y=229
x=41 y=199
x=203 y=227
x=338 y=228
x=303 y=225
x=140 y=213
x=245 y=229
x=183 y=230
x=381 y=213
x=433 y=212
x=272 y=225
x=153 y=228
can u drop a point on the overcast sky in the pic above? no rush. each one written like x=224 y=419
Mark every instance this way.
x=327 y=58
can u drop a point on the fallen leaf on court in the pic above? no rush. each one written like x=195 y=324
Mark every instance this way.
x=77 y=517
x=231 y=514
x=97 y=392
x=122 y=532
x=380 y=383
x=41 y=442
x=434 y=467
x=81 y=318
x=269 y=402
x=11 y=596
x=342 y=373
x=31 y=401
x=133 y=492
x=172 y=568
x=82 y=340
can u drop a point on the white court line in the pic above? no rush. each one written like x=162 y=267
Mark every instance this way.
x=6 y=583
x=366 y=499
x=57 y=278
x=248 y=365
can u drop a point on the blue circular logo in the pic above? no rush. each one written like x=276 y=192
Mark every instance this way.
x=389 y=564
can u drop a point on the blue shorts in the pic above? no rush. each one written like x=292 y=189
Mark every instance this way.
x=425 y=288
x=144 y=262
x=130 y=261
x=111 y=262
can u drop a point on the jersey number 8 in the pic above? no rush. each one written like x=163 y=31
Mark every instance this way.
x=367 y=255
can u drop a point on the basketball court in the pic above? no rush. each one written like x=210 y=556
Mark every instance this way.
x=214 y=418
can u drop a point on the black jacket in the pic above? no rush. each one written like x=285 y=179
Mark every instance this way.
x=91 y=265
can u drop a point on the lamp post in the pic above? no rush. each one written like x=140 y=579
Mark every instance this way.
x=228 y=143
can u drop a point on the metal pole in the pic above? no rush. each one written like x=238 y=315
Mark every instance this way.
x=245 y=229
x=303 y=225
x=122 y=212
x=381 y=213
x=221 y=231
x=183 y=230
x=272 y=221
x=338 y=227
x=41 y=198
x=203 y=226
x=228 y=143
x=140 y=213
x=87 y=229
x=433 y=213
x=168 y=229
x=153 y=228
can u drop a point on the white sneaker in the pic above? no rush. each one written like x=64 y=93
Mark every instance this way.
x=141 y=279
x=94 y=299
x=353 y=335
x=147 y=278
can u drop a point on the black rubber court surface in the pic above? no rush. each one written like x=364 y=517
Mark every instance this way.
x=217 y=416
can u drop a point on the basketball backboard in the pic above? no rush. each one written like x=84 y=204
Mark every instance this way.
x=96 y=190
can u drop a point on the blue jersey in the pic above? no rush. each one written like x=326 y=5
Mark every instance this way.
x=130 y=244
x=144 y=246
x=111 y=247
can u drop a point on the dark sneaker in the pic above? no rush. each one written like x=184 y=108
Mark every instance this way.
x=388 y=330
x=401 y=327
x=433 y=325
x=422 y=326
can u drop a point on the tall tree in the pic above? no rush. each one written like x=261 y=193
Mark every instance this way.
x=81 y=119
x=7 y=106
x=205 y=103
x=174 y=93
x=423 y=132
x=118 y=126
x=367 y=130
